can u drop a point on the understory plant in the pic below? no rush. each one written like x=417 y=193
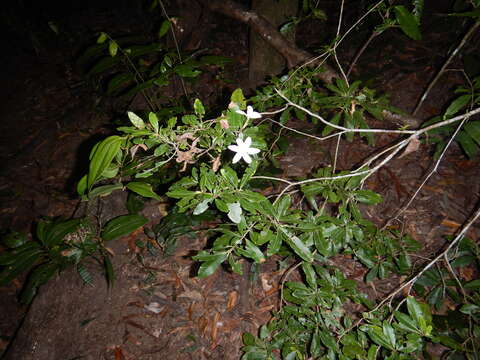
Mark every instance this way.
x=219 y=165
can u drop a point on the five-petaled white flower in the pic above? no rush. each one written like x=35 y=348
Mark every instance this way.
x=250 y=114
x=243 y=150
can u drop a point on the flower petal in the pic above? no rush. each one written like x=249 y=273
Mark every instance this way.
x=253 y=151
x=248 y=142
x=233 y=148
x=237 y=157
x=241 y=112
x=247 y=158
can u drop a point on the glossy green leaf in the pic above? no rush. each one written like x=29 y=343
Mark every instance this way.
x=367 y=197
x=457 y=104
x=153 y=120
x=467 y=143
x=109 y=270
x=57 y=231
x=472 y=128
x=253 y=252
x=82 y=185
x=102 y=38
x=296 y=244
x=102 y=157
x=122 y=225
x=238 y=98
x=274 y=245
x=104 y=190
x=405 y=322
x=112 y=48
x=22 y=263
x=208 y=267
x=408 y=23
x=198 y=107
x=310 y=275
x=164 y=28
x=143 y=189
x=136 y=120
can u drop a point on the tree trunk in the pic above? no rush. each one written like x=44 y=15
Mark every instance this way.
x=264 y=59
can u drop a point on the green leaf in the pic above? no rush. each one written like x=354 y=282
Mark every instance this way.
x=14 y=239
x=122 y=225
x=153 y=120
x=202 y=207
x=198 y=107
x=22 y=263
x=472 y=128
x=296 y=244
x=467 y=144
x=274 y=245
x=230 y=175
x=367 y=197
x=119 y=82
x=238 y=98
x=253 y=252
x=108 y=270
x=328 y=340
x=164 y=28
x=112 y=48
x=405 y=322
x=136 y=120
x=102 y=38
x=248 y=339
x=208 y=267
x=187 y=71
x=415 y=310
x=389 y=333
x=82 y=185
x=372 y=352
x=457 y=105
x=408 y=23
x=474 y=284
x=57 y=231
x=215 y=60
x=104 y=190
x=470 y=309
x=10 y=257
x=235 y=212
x=377 y=335
x=102 y=156
x=143 y=189
x=309 y=274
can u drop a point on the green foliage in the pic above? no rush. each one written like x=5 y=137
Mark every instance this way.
x=129 y=65
x=343 y=104
x=468 y=137
x=59 y=244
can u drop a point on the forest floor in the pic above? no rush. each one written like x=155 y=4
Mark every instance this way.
x=158 y=309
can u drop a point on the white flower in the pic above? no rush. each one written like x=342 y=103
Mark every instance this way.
x=250 y=114
x=243 y=150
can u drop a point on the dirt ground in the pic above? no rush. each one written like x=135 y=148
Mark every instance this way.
x=158 y=309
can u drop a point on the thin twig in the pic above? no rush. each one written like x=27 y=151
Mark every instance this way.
x=442 y=70
x=164 y=11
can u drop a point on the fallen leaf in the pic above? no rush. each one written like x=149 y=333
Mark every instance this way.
x=216 y=323
x=154 y=307
x=412 y=146
x=232 y=300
